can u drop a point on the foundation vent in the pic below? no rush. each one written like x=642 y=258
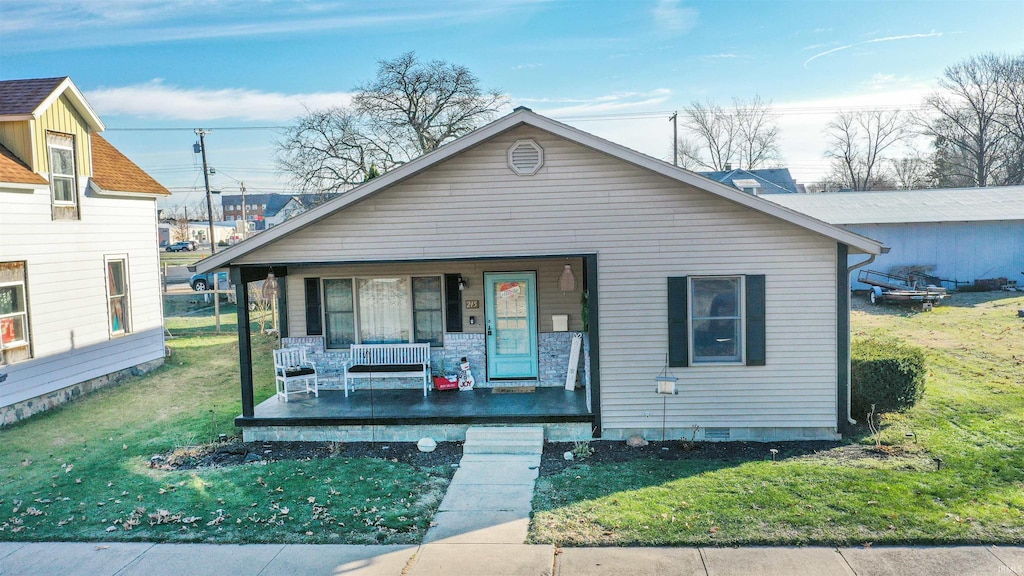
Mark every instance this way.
x=716 y=434
x=525 y=157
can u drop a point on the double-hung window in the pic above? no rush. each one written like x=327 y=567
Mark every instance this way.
x=716 y=320
x=63 y=187
x=14 y=328
x=118 y=301
x=383 y=310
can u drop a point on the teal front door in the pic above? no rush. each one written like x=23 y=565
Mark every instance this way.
x=510 y=299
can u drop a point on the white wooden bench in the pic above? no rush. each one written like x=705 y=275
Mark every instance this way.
x=389 y=361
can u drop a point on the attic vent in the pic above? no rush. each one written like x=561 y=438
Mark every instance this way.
x=711 y=434
x=525 y=157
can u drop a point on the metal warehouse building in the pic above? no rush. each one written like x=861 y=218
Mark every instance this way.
x=961 y=234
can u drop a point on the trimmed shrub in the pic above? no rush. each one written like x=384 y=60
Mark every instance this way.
x=886 y=372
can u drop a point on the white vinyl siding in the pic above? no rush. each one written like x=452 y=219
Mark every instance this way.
x=643 y=228
x=68 y=305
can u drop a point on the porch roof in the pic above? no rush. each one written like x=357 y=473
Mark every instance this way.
x=520 y=117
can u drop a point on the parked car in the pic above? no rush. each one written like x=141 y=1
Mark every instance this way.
x=200 y=282
x=184 y=246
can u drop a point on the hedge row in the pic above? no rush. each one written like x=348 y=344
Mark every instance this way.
x=888 y=373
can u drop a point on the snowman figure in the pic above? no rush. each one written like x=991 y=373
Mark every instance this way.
x=466 y=379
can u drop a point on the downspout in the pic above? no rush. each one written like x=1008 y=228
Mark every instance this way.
x=849 y=367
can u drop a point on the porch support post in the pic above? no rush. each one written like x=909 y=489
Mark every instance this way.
x=244 y=342
x=590 y=266
x=842 y=339
x=282 y=306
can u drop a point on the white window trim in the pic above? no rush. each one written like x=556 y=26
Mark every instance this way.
x=127 y=328
x=50 y=145
x=409 y=312
x=741 y=306
x=27 y=341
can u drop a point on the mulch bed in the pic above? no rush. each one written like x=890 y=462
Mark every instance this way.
x=448 y=454
x=233 y=453
x=553 y=460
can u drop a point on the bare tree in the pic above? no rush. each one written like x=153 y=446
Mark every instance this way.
x=910 y=172
x=757 y=132
x=426 y=103
x=858 y=142
x=964 y=119
x=409 y=109
x=744 y=136
x=332 y=150
x=1011 y=116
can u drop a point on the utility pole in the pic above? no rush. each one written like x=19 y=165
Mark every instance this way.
x=206 y=179
x=675 y=138
x=245 y=221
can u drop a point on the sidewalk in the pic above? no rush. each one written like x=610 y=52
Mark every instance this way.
x=141 y=559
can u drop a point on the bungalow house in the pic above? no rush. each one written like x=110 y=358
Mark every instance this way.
x=504 y=245
x=79 y=270
x=958 y=235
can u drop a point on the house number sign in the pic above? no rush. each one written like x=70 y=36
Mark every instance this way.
x=470 y=304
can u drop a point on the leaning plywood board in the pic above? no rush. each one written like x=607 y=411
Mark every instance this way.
x=574 y=360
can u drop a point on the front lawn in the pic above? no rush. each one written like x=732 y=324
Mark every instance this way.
x=82 y=472
x=971 y=418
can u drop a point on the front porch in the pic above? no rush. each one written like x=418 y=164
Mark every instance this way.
x=406 y=415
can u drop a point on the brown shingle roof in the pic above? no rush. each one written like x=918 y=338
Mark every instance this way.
x=112 y=170
x=24 y=96
x=13 y=170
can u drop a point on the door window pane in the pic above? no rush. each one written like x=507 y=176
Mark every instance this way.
x=511 y=318
x=383 y=310
x=14 y=337
x=340 y=313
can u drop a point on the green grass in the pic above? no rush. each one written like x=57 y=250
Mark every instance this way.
x=971 y=416
x=78 y=471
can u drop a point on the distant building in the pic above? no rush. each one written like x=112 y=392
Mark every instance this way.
x=962 y=234
x=266 y=210
x=757 y=182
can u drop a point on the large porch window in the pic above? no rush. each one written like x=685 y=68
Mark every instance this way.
x=386 y=310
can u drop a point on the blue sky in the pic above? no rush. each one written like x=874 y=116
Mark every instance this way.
x=614 y=68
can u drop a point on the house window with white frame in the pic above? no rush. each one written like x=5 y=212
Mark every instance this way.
x=118 y=301
x=63 y=185
x=716 y=319
x=15 y=343
x=383 y=310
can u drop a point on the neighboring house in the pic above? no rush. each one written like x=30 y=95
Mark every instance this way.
x=961 y=234
x=757 y=182
x=79 y=270
x=495 y=247
x=267 y=210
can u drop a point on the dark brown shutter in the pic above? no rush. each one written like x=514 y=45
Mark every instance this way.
x=314 y=316
x=678 y=336
x=452 y=303
x=755 y=320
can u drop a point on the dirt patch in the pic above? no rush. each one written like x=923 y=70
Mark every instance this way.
x=553 y=460
x=234 y=453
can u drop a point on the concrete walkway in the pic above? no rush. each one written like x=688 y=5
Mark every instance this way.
x=489 y=498
x=131 y=559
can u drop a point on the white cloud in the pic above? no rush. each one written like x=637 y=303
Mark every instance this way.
x=610 y=103
x=671 y=16
x=156 y=100
x=872 y=41
x=47 y=24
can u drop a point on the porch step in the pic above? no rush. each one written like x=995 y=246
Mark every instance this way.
x=504 y=440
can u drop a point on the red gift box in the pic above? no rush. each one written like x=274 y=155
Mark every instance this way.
x=443 y=383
